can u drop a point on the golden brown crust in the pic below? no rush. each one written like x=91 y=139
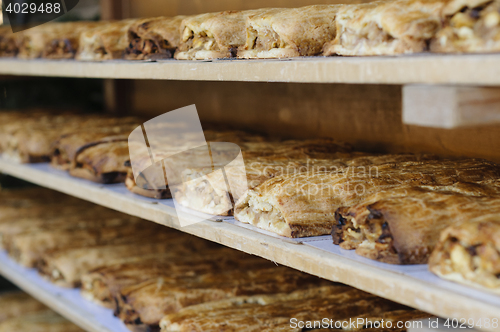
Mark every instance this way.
x=469 y=27
x=402 y=226
x=53 y=40
x=153 y=38
x=28 y=247
x=385 y=27
x=104 y=285
x=105 y=42
x=102 y=162
x=148 y=302
x=273 y=312
x=213 y=35
x=66 y=266
x=304 y=204
x=207 y=192
x=468 y=252
x=283 y=33
x=9 y=42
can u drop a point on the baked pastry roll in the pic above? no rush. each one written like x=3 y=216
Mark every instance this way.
x=27 y=248
x=385 y=27
x=467 y=252
x=213 y=35
x=102 y=162
x=206 y=191
x=273 y=312
x=149 y=302
x=47 y=321
x=403 y=226
x=67 y=218
x=14 y=304
x=153 y=38
x=284 y=33
x=68 y=145
x=8 y=42
x=103 y=285
x=53 y=40
x=469 y=27
x=304 y=204
x=155 y=185
x=105 y=42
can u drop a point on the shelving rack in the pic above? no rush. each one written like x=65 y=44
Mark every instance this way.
x=413 y=285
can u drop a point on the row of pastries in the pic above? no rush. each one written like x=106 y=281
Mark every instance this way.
x=394 y=208
x=154 y=277
x=387 y=27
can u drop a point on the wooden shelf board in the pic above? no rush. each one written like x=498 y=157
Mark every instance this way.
x=481 y=69
x=67 y=302
x=412 y=285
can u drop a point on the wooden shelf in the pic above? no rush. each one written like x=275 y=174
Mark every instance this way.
x=68 y=302
x=422 y=69
x=411 y=285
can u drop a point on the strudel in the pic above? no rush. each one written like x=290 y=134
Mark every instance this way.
x=289 y=32
x=385 y=27
x=105 y=42
x=468 y=252
x=153 y=38
x=272 y=312
x=304 y=204
x=402 y=226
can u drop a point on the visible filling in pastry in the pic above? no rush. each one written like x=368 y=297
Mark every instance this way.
x=370 y=236
x=203 y=40
x=265 y=40
x=371 y=36
x=60 y=48
x=147 y=47
x=471 y=29
x=265 y=216
x=477 y=262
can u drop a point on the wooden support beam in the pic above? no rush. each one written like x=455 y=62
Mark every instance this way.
x=441 y=106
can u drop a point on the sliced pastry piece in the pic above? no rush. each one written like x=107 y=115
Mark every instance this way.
x=468 y=252
x=147 y=303
x=402 y=226
x=387 y=27
x=274 y=312
x=284 y=32
x=206 y=191
x=53 y=40
x=102 y=162
x=213 y=35
x=153 y=38
x=66 y=267
x=65 y=219
x=304 y=204
x=68 y=145
x=469 y=27
x=105 y=42
x=103 y=285
x=46 y=321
